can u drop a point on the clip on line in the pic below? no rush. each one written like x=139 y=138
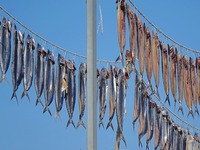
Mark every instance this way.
x=54 y=45
x=187 y=48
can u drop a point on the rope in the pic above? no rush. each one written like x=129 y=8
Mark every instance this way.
x=187 y=48
x=52 y=44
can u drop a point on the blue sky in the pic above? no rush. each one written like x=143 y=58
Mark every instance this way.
x=24 y=126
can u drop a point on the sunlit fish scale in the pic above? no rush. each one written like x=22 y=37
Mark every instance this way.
x=39 y=73
x=148 y=56
x=82 y=79
x=28 y=65
x=120 y=108
x=132 y=22
x=5 y=47
x=113 y=96
x=193 y=84
x=141 y=40
x=49 y=80
x=165 y=70
x=59 y=91
x=121 y=23
x=173 y=63
x=155 y=60
x=70 y=99
x=157 y=127
x=150 y=122
x=180 y=70
x=103 y=88
x=187 y=85
x=198 y=77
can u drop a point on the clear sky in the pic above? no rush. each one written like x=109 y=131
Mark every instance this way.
x=24 y=126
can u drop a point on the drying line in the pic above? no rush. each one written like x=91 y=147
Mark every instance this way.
x=54 y=45
x=187 y=48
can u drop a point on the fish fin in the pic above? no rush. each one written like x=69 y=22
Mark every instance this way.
x=70 y=121
x=3 y=77
x=180 y=108
x=47 y=109
x=190 y=112
x=110 y=125
x=101 y=123
x=147 y=145
x=39 y=101
x=14 y=95
x=57 y=115
x=196 y=111
x=167 y=99
x=121 y=137
x=80 y=122
x=25 y=93
x=120 y=57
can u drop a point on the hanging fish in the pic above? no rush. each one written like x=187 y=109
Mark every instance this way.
x=180 y=80
x=155 y=60
x=180 y=139
x=39 y=73
x=28 y=65
x=70 y=99
x=59 y=89
x=5 y=47
x=175 y=137
x=165 y=70
x=120 y=108
x=157 y=127
x=193 y=84
x=113 y=96
x=173 y=61
x=150 y=122
x=187 y=85
x=171 y=133
x=196 y=142
x=198 y=77
x=189 y=141
x=82 y=79
x=49 y=80
x=103 y=90
x=121 y=23
x=132 y=22
x=148 y=57
x=165 y=134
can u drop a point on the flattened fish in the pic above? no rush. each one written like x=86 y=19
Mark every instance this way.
x=165 y=70
x=121 y=23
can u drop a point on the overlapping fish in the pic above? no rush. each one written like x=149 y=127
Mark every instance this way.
x=49 y=80
x=198 y=77
x=28 y=65
x=82 y=79
x=39 y=72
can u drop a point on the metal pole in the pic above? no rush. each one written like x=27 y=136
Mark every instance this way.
x=91 y=76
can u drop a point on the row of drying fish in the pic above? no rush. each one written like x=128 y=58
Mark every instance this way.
x=178 y=71
x=156 y=124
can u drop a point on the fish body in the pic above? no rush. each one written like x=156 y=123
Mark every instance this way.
x=175 y=137
x=171 y=133
x=121 y=23
x=113 y=96
x=180 y=80
x=49 y=80
x=70 y=99
x=39 y=73
x=189 y=141
x=198 y=77
x=165 y=70
x=28 y=65
x=59 y=92
x=157 y=128
x=5 y=47
x=82 y=79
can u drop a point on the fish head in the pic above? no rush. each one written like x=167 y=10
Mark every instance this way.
x=4 y=22
x=148 y=34
x=123 y=6
x=9 y=25
x=97 y=72
x=139 y=23
x=50 y=56
x=32 y=43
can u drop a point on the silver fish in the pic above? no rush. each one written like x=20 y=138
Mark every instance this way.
x=157 y=127
x=70 y=99
x=113 y=96
x=5 y=47
x=103 y=88
x=175 y=137
x=164 y=124
x=59 y=92
x=82 y=79
x=39 y=73
x=120 y=108
x=28 y=65
x=189 y=141
x=49 y=80
x=171 y=133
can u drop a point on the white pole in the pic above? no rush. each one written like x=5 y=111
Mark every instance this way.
x=91 y=76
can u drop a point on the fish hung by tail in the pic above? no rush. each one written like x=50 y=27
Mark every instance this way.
x=39 y=101
x=80 y=122
x=25 y=93
x=70 y=121
x=47 y=109
x=14 y=95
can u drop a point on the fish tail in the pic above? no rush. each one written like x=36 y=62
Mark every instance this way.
x=25 y=93
x=174 y=104
x=3 y=77
x=196 y=110
x=14 y=95
x=120 y=57
x=39 y=101
x=180 y=108
x=140 y=143
x=70 y=121
x=47 y=109
x=109 y=125
x=156 y=92
x=147 y=145
x=101 y=123
x=190 y=112
x=167 y=99
x=57 y=115
x=80 y=122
